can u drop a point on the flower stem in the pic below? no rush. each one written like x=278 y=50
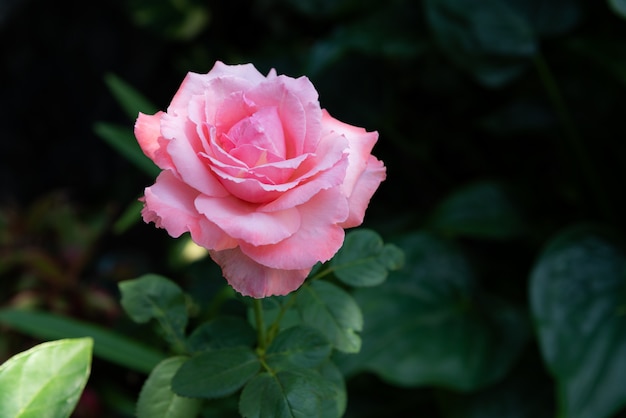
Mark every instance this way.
x=260 y=324
x=575 y=141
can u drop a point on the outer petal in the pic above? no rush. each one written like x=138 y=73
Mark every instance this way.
x=360 y=147
x=364 y=189
x=242 y=221
x=169 y=203
x=318 y=238
x=253 y=279
x=148 y=134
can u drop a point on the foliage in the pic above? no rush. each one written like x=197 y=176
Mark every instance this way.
x=500 y=124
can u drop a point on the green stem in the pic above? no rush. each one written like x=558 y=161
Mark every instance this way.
x=575 y=141
x=260 y=324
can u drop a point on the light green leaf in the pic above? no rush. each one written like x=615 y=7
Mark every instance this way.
x=107 y=344
x=578 y=299
x=153 y=296
x=333 y=312
x=300 y=346
x=156 y=399
x=365 y=260
x=480 y=210
x=46 y=380
x=216 y=373
x=130 y=99
x=429 y=324
x=293 y=393
x=122 y=139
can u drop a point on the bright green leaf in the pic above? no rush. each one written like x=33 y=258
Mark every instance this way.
x=152 y=296
x=578 y=301
x=122 y=139
x=46 y=380
x=333 y=312
x=156 y=399
x=130 y=99
x=107 y=344
x=222 y=332
x=364 y=260
x=300 y=346
x=429 y=324
x=216 y=373
x=480 y=210
x=293 y=393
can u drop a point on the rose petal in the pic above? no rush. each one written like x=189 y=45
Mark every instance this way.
x=169 y=203
x=318 y=238
x=184 y=148
x=148 y=134
x=364 y=189
x=255 y=280
x=242 y=221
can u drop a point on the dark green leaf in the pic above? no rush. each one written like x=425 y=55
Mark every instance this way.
x=152 y=296
x=216 y=373
x=335 y=405
x=123 y=140
x=130 y=99
x=107 y=344
x=333 y=312
x=46 y=380
x=222 y=332
x=301 y=346
x=156 y=399
x=618 y=7
x=364 y=260
x=578 y=290
x=479 y=210
x=489 y=38
x=429 y=324
x=294 y=393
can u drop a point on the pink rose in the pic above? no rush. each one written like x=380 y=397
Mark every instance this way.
x=258 y=174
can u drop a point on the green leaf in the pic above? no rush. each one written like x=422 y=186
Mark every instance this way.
x=300 y=346
x=577 y=290
x=480 y=210
x=293 y=393
x=128 y=218
x=122 y=139
x=107 y=344
x=364 y=260
x=130 y=99
x=216 y=373
x=429 y=324
x=156 y=399
x=152 y=296
x=222 y=332
x=489 y=38
x=335 y=405
x=618 y=7
x=333 y=312
x=46 y=380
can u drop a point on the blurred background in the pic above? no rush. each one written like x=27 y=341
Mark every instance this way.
x=501 y=123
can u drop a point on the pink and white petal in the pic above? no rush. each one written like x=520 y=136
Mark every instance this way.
x=148 y=134
x=169 y=203
x=184 y=148
x=255 y=280
x=242 y=221
x=360 y=146
x=249 y=189
x=318 y=238
x=330 y=177
x=363 y=191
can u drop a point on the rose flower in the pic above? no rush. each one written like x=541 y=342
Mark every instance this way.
x=258 y=174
